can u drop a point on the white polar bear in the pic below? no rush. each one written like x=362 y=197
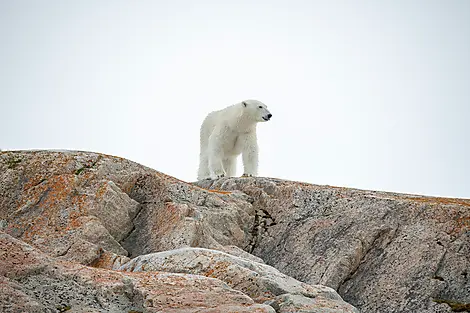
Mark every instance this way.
x=227 y=133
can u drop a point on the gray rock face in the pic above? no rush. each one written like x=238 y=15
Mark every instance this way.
x=259 y=281
x=383 y=252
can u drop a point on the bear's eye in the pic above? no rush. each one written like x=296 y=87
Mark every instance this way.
x=260 y=107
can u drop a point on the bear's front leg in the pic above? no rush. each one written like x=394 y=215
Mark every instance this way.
x=250 y=156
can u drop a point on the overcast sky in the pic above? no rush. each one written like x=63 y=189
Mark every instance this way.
x=364 y=94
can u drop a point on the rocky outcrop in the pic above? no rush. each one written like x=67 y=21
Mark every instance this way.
x=70 y=220
x=87 y=232
x=91 y=208
x=383 y=252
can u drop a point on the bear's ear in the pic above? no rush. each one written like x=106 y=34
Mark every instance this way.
x=244 y=104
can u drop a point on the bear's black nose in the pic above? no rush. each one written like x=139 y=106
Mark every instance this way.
x=269 y=115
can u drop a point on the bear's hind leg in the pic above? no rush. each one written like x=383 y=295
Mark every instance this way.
x=230 y=166
x=203 y=172
x=216 y=168
x=216 y=154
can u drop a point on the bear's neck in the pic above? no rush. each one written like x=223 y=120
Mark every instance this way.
x=244 y=123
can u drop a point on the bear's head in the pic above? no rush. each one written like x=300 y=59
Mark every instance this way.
x=257 y=110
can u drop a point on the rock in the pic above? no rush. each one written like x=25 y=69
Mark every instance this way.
x=236 y=251
x=85 y=252
x=176 y=214
x=34 y=282
x=259 y=281
x=383 y=252
x=299 y=303
x=86 y=206
x=71 y=209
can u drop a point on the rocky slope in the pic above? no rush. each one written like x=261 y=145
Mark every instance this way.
x=70 y=222
x=86 y=232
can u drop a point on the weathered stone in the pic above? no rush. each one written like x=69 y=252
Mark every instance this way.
x=259 y=281
x=87 y=253
x=62 y=202
x=84 y=207
x=180 y=215
x=236 y=251
x=14 y=300
x=298 y=303
x=383 y=252
x=34 y=282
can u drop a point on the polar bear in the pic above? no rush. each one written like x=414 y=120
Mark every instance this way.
x=227 y=133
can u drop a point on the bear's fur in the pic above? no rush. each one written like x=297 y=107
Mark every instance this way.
x=227 y=133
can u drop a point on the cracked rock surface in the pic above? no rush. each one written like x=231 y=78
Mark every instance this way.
x=383 y=252
x=70 y=220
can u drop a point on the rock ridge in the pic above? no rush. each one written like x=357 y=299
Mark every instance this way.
x=123 y=237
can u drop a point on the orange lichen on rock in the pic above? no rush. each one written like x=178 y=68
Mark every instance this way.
x=462 y=226
x=101 y=190
x=217 y=269
x=169 y=217
x=438 y=200
x=219 y=191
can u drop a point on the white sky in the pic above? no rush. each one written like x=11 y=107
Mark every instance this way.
x=365 y=94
